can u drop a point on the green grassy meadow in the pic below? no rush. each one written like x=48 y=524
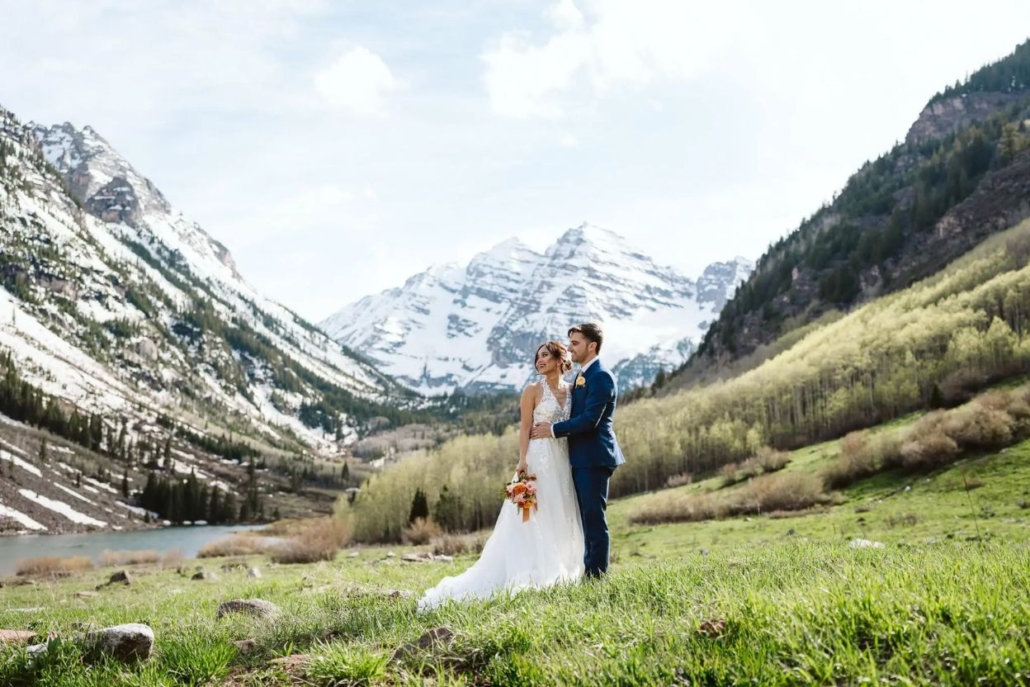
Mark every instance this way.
x=764 y=600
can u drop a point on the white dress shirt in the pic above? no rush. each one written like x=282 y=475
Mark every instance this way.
x=581 y=371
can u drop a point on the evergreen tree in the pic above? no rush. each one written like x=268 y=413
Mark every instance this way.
x=419 y=506
x=214 y=513
x=447 y=511
x=125 y=484
x=43 y=451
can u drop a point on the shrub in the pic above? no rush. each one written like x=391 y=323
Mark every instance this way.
x=764 y=494
x=729 y=474
x=109 y=559
x=862 y=455
x=320 y=540
x=680 y=480
x=771 y=460
x=456 y=544
x=787 y=492
x=979 y=426
x=52 y=565
x=236 y=545
x=928 y=452
x=664 y=508
x=421 y=531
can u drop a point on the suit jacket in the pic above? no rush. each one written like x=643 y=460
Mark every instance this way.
x=592 y=441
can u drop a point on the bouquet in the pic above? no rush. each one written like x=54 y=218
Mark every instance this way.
x=522 y=492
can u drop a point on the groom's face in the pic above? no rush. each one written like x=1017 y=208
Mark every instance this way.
x=579 y=347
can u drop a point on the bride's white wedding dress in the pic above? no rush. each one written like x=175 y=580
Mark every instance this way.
x=528 y=555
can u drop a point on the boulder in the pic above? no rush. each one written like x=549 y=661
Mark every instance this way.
x=256 y=607
x=132 y=642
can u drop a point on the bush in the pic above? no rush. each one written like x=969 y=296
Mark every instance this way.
x=51 y=565
x=320 y=540
x=771 y=460
x=680 y=480
x=764 y=494
x=862 y=455
x=977 y=426
x=730 y=474
x=456 y=544
x=236 y=545
x=421 y=531
x=664 y=508
x=787 y=492
x=928 y=452
x=109 y=559
x=766 y=461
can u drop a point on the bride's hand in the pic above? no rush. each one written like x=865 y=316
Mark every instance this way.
x=521 y=467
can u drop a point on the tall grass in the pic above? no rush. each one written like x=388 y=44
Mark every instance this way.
x=234 y=545
x=778 y=615
x=52 y=565
x=319 y=540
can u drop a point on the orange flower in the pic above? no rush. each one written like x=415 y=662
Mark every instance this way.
x=518 y=488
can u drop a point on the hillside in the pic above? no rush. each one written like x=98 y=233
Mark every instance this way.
x=127 y=332
x=476 y=327
x=918 y=580
x=961 y=174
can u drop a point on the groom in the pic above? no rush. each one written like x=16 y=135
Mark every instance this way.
x=593 y=450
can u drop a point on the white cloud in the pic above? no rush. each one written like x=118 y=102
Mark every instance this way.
x=357 y=83
x=606 y=45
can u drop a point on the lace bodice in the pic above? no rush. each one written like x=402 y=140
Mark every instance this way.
x=549 y=410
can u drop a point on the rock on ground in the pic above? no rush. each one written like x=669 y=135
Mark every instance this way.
x=258 y=607
x=131 y=642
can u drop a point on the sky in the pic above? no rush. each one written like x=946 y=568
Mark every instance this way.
x=339 y=147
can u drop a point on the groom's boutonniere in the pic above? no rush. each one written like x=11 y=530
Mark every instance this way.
x=580 y=381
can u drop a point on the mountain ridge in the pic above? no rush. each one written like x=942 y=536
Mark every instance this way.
x=475 y=327
x=961 y=174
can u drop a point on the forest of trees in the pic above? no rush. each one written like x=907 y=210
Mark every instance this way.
x=875 y=221
x=179 y=500
x=934 y=343
x=1007 y=75
x=26 y=403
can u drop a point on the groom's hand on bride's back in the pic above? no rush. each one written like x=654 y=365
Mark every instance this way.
x=541 y=430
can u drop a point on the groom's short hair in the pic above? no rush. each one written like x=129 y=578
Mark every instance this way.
x=591 y=332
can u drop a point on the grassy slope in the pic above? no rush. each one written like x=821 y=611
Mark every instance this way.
x=935 y=606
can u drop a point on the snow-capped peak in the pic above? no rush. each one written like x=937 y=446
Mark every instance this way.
x=477 y=327
x=133 y=310
x=113 y=190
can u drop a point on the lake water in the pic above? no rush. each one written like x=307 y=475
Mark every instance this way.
x=188 y=540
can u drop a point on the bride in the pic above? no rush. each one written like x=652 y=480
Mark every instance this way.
x=549 y=547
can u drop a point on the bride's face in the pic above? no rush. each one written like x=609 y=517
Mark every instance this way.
x=545 y=362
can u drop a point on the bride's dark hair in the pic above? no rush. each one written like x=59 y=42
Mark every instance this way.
x=558 y=352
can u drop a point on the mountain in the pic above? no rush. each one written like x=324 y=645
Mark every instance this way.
x=117 y=304
x=961 y=174
x=476 y=327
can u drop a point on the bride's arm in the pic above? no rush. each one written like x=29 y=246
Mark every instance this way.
x=527 y=406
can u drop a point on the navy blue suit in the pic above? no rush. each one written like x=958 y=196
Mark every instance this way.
x=594 y=454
